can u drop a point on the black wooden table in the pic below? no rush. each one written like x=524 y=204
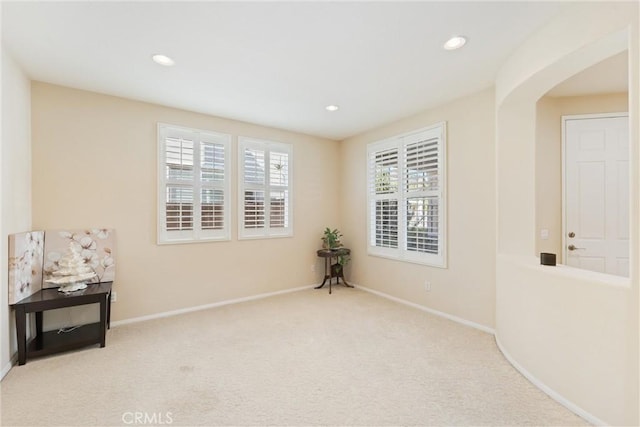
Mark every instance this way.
x=44 y=343
x=333 y=270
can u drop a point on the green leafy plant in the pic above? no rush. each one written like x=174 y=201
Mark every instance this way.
x=343 y=260
x=331 y=238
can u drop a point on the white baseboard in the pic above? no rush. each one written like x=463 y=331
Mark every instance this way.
x=430 y=310
x=207 y=306
x=549 y=391
x=535 y=381
x=6 y=368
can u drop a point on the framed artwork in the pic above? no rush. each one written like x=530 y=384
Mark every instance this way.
x=97 y=247
x=25 y=264
x=34 y=256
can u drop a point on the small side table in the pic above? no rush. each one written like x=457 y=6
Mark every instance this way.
x=45 y=343
x=333 y=270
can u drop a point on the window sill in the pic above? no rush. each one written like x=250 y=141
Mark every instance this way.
x=442 y=265
x=277 y=236
x=191 y=241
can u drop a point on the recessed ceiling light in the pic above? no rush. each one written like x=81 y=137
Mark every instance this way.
x=455 y=42
x=332 y=108
x=163 y=60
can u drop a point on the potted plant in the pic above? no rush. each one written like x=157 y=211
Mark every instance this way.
x=331 y=238
x=331 y=241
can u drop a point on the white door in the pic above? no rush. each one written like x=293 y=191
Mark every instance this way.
x=596 y=234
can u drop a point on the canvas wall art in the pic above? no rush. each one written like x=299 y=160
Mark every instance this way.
x=25 y=264
x=97 y=247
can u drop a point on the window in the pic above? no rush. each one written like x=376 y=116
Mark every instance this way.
x=264 y=189
x=193 y=185
x=406 y=203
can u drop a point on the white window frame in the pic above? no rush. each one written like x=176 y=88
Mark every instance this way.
x=267 y=146
x=400 y=142
x=196 y=234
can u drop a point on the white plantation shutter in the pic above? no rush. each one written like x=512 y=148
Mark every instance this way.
x=384 y=165
x=421 y=186
x=254 y=187
x=213 y=179
x=178 y=171
x=279 y=170
x=264 y=189
x=406 y=177
x=193 y=185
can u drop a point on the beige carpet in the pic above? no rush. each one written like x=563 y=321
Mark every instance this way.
x=304 y=358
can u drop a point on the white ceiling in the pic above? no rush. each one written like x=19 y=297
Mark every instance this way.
x=274 y=63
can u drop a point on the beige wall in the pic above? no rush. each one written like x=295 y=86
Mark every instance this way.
x=94 y=165
x=466 y=288
x=548 y=177
x=569 y=332
x=15 y=182
x=574 y=332
x=549 y=112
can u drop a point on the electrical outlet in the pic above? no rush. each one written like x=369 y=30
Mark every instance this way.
x=313 y=268
x=544 y=234
x=114 y=296
x=427 y=285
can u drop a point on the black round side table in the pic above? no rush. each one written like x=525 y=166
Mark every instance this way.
x=333 y=270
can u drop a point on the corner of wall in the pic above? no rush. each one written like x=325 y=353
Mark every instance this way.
x=15 y=181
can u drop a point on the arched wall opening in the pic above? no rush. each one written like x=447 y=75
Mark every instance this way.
x=572 y=332
x=588 y=106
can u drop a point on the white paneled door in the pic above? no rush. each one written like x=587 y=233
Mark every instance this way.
x=596 y=197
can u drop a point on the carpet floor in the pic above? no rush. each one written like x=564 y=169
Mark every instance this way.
x=297 y=359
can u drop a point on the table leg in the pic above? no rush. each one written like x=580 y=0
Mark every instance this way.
x=323 y=282
x=103 y=321
x=344 y=282
x=39 y=336
x=330 y=274
x=39 y=322
x=326 y=276
x=337 y=278
x=21 y=332
x=109 y=310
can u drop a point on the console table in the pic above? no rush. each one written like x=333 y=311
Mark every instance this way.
x=333 y=270
x=44 y=343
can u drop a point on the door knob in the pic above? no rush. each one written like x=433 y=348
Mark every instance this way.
x=573 y=248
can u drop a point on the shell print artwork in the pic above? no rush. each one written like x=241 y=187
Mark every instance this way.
x=25 y=264
x=95 y=246
x=73 y=271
